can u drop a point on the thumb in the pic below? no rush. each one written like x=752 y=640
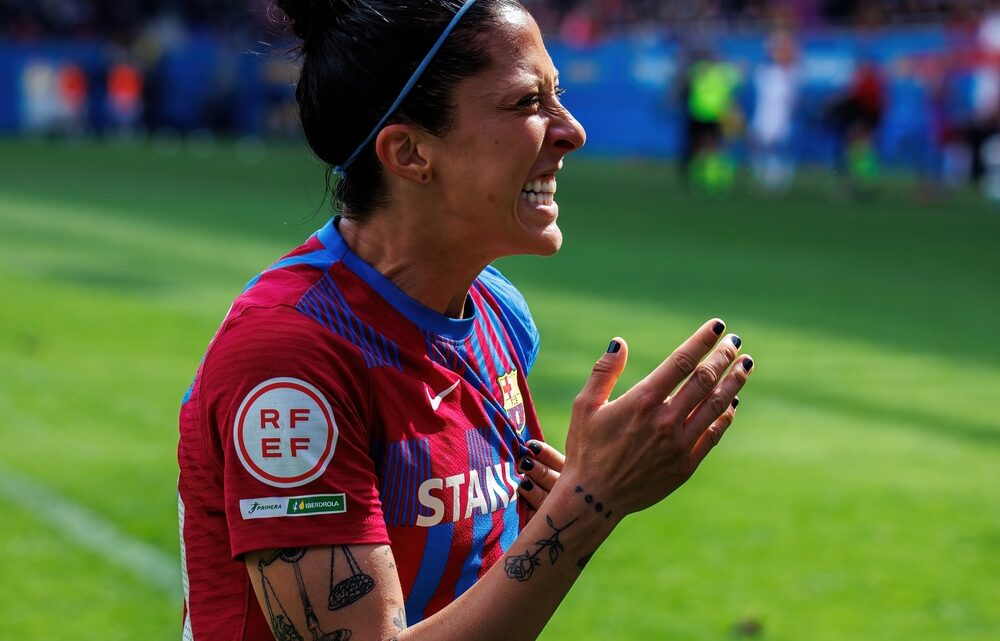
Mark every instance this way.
x=602 y=379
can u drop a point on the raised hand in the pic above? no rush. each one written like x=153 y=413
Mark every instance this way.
x=632 y=452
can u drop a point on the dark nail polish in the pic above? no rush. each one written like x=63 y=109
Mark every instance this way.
x=527 y=465
x=719 y=328
x=737 y=341
x=748 y=363
x=736 y=402
x=535 y=447
x=527 y=485
x=614 y=347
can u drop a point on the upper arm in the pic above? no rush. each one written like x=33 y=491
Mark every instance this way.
x=328 y=593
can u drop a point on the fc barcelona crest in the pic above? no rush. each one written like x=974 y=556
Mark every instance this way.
x=512 y=401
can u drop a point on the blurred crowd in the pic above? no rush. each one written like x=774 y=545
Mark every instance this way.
x=125 y=20
x=574 y=20
x=584 y=21
x=727 y=113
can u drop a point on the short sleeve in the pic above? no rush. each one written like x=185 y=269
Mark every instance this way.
x=286 y=405
x=515 y=315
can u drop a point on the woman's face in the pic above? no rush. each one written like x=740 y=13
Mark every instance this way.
x=498 y=169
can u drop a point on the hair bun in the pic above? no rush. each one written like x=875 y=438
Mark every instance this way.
x=307 y=17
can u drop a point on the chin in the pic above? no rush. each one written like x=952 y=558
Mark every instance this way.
x=540 y=233
x=544 y=242
x=551 y=241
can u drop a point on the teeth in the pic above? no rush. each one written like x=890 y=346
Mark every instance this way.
x=539 y=186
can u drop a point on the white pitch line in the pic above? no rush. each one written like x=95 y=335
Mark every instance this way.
x=88 y=530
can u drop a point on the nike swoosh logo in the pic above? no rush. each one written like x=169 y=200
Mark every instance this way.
x=436 y=401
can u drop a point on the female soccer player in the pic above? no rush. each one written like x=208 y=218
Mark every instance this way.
x=360 y=456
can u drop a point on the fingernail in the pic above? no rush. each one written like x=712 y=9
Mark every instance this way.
x=748 y=363
x=736 y=402
x=614 y=347
x=718 y=328
x=535 y=447
x=737 y=341
x=527 y=465
x=527 y=485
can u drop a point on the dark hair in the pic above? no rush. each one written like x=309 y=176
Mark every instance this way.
x=356 y=57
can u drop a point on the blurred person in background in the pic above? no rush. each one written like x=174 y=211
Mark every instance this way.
x=984 y=125
x=350 y=446
x=855 y=116
x=776 y=89
x=710 y=115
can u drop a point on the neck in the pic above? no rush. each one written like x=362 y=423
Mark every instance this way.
x=422 y=260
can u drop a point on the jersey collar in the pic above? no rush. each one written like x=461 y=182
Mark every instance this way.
x=423 y=316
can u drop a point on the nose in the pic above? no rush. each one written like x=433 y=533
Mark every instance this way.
x=569 y=135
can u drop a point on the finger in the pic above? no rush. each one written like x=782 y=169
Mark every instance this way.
x=679 y=365
x=602 y=379
x=718 y=401
x=531 y=494
x=545 y=453
x=706 y=376
x=542 y=475
x=711 y=437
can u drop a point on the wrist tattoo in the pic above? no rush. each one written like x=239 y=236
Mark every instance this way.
x=589 y=499
x=522 y=566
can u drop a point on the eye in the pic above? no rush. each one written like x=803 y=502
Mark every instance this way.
x=536 y=99
x=530 y=101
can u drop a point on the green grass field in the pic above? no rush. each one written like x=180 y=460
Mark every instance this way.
x=857 y=497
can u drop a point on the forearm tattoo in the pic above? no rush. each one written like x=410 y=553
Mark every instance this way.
x=342 y=594
x=522 y=566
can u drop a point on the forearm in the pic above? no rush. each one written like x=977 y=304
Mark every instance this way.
x=533 y=576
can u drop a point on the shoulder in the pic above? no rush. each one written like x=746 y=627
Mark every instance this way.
x=513 y=309
x=259 y=344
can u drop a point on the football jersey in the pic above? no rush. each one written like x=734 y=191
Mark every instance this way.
x=332 y=409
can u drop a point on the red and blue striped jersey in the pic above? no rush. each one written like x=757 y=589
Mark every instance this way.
x=331 y=408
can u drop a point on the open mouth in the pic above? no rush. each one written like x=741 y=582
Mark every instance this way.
x=541 y=191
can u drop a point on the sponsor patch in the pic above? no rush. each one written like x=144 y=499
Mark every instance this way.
x=285 y=433
x=275 y=506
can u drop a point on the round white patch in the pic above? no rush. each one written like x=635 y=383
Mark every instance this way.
x=285 y=433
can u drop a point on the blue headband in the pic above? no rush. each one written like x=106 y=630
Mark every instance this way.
x=341 y=170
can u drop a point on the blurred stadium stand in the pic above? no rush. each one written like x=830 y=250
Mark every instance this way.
x=106 y=67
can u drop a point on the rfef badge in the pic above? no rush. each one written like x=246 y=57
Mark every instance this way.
x=512 y=401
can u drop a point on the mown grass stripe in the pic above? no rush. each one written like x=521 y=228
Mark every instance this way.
x=88 y=530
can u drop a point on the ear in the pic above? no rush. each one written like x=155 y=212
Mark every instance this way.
x=399 y=147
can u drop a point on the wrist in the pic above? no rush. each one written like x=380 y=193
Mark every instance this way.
x=576 y=500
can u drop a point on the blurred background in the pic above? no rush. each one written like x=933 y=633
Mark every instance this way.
x=718 y=84
x=823 y=174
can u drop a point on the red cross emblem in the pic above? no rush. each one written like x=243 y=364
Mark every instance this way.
x=512 y=401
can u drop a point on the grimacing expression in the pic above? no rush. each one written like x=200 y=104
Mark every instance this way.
x=510 y=136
